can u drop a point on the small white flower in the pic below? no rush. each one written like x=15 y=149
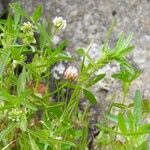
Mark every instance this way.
x=59 y=23
x=39 y=95
x=2 y=104
x=14 y=64
x=59 y=137
x=14 y=120
x=15 y=115
x=71 y=73
x=1 y=35
x=51 y=134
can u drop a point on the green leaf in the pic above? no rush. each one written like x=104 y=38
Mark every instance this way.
x=137 y=107
x=112 y=118
x=44 y=136
x=32 y=143
x=96 y=79
x=41 y=134
x=23 y=142
x=144 y=146
x=108 y=34
x=119 y=42
x=89 y=96
x=23 y=96
x=81 y=52
x=85 y=55
x=16 y=19
x=63 y=56
x=30 y=105
x=126 y=51
x=3 y=62
x=123 y=61
x=6 y=131
x=119 y=105
x=131 y=121
x=59 y=48
x=37 y=13
x=122 y=123
x=44 y=35
x=21 y=82
x=123 y=43
x=9 y=24
x=23 y=122
x=107 y=129
x=6 y=147
x=91 y=62
x=2 y=21
x=31 y=69
x=128 y=40
x=7 y=97
x=144 y=129
x=19 y=10
x=146 y=106
x=118 y=76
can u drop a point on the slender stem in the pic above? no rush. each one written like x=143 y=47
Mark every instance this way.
x=72 y=100
x=56 y=90
x=124 y=96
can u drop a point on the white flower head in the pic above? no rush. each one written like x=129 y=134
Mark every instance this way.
x=71 y=73
x=59 y=23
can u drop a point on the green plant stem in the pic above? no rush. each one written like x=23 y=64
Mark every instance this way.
x=124 y=96
x=72 y=102
x=100 y=64
x=56 y=90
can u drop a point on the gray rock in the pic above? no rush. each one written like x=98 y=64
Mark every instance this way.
x=1 y=8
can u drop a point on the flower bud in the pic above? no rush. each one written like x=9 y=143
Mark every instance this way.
x=71 y=73
x=28 y=33
x=27 y=27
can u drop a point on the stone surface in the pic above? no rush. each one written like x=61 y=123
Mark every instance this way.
x=1 y=8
